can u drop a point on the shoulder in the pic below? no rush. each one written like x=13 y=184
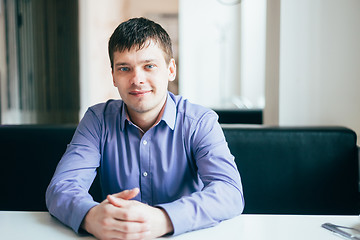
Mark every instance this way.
x=199 y=125
x=106 y=108
x=191 y=112
x=100 y=116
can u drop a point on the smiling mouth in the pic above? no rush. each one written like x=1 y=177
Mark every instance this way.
x=139 y=93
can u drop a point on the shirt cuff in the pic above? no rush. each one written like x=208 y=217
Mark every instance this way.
x=80 y=213
x=177 y=215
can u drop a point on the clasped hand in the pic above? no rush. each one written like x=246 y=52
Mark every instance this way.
x=119 y=217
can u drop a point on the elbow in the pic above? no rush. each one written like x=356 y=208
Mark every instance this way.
x=239 y=204
x=48 y=199
x=238 y=200
x=235 y=201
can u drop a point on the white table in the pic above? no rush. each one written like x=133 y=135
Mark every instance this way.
x=40 y=225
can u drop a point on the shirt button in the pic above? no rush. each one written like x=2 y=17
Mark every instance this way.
x=145 y=174
x=144 y=142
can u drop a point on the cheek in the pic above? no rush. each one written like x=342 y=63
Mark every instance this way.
x=164 y=86
x=122 y=93
x=118 y=82
x=160 y=83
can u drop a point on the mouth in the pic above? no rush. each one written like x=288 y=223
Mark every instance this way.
x=139 y=93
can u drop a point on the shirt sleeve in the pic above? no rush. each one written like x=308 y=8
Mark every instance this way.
x=67 y=196
x=222 y=195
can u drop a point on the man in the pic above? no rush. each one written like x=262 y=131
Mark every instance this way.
x=164 y=163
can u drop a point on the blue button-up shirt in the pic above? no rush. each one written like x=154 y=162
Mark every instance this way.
x=182 y=164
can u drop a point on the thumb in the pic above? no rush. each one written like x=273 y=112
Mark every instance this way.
x=117 y=202
x=120 y=199
x=127 y=194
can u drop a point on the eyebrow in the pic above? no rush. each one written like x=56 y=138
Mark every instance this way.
x=127 y=64
x=121 y=64
x=149 y=60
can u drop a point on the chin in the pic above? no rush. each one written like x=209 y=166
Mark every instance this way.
x=141 y=109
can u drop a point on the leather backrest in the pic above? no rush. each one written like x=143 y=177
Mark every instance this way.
x=296 y=170
x=29 y=155
x=284 y=170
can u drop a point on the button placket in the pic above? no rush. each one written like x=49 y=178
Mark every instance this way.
x=145 y=181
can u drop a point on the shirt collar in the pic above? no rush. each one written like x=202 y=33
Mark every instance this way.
x=168 y=117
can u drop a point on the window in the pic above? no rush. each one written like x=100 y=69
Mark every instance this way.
x=222 y=52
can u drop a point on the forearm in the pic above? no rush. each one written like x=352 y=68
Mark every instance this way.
x=68 y=204
x=67 y=196
x=216 y=202
x=222 y=196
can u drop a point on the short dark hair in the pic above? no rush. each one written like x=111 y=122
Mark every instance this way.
x=136 y=32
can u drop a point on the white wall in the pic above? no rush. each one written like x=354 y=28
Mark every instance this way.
x=222 y=53
x=97 y=22
x=320 y=63
x=3 y=64
x=209 y=52
x=252 y=52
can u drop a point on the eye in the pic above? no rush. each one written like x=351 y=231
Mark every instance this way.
x=150 y=66
x=123 y=69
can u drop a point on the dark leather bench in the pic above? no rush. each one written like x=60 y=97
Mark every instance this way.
x=296 y=170
x=285 y=170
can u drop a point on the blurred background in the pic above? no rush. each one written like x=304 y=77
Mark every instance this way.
x=296 y=62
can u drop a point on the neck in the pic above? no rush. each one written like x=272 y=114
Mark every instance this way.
x=146 y=120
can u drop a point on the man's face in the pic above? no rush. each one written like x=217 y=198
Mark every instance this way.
x=141 y=77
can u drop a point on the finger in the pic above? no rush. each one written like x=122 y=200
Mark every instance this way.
x=131 y=227
x=117 y=202
x=129 y=213
x=127 y=194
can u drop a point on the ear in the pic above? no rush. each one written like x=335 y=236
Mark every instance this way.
x=172 y=70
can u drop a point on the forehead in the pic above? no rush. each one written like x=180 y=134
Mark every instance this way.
x=149 y=50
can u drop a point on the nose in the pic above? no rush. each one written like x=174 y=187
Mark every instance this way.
x=138 y=77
